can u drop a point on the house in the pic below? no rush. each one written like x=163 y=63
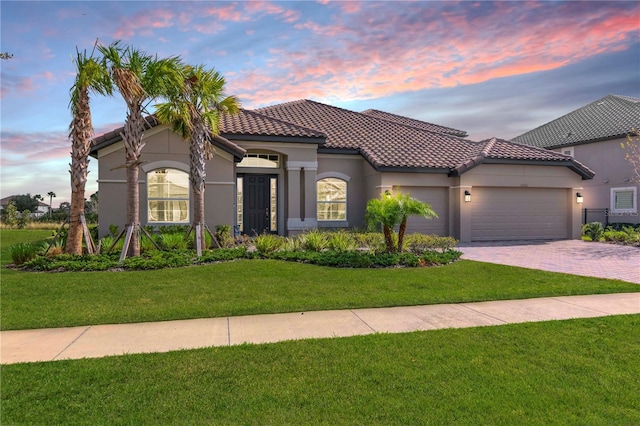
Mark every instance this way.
x=592 y=135
x=303 y=164
x=41 y=210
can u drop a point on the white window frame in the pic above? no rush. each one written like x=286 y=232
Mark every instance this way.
x=186 y=199
x=333 y=222
x=634 y=208
x=568 y=150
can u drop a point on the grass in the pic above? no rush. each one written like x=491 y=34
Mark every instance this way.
x=42 y=300
x=564 y=372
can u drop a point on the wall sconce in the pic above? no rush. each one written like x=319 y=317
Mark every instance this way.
x=579 y=198
x=467 y=196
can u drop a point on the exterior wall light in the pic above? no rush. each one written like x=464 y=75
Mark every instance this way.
x=467 y=196
x=579 y=198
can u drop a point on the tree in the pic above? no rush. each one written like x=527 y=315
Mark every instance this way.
x=51 y=195
x=193 y=110
x=632 y=153
x=91 y=76
x=6 y=55
x=10 y=215
x=25 y=202
x=393 y=210
x=411 y=207
x=139 y=78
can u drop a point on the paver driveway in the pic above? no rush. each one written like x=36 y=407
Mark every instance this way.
x=569 y=256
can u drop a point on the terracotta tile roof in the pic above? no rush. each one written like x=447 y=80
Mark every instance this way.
x=249 y=122
x=423 y=125
x=387 y=144
x=245 y=125
x=611 y=117
x=390 y=145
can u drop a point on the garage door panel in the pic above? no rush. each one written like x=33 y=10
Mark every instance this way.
x=519 y=213
x=438 y=199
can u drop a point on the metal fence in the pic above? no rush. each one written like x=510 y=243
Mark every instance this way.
x=595 y=215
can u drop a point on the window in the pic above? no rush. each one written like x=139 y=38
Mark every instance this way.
x=239 y=203
x=332 y=199
x=268 y=161
x=273 y=207
x=624 y=200
x=168 y=195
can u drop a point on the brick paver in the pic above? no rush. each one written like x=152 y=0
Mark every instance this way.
x=568 y=256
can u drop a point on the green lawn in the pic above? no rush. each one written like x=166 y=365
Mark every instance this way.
x=38 y=300
x=582 y=372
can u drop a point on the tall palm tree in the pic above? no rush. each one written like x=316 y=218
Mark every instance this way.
x=91 y=76
x=140 y=78
x=194 y=111
x=51 y=195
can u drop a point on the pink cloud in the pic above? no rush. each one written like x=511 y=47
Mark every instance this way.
x=377 y=53
x=144 y=22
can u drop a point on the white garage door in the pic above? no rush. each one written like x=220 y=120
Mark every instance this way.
x=519 y=214
x=438 y=199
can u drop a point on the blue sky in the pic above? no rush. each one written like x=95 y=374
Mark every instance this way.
x=490 y=68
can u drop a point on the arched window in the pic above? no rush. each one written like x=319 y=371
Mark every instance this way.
x=168 y=196
x=332 y=199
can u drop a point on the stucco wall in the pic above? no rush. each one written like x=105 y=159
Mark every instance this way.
x=163 y=148
x=607 y=160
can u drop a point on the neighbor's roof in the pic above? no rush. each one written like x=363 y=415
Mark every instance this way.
x=414 y=123
x=611 y=117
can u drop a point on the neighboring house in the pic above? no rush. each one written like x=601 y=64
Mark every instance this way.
x=592 y=135
x=40 y=211
x=303 y=164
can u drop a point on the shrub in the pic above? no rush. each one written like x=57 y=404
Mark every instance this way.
x=24 y=252
x=223 y=236
x=314 y=240
x=593 y=230
x=419 y=243
x=113 y=229
x=173 y=241
x=370 y=241
x=223 y=254
x=439 y=257
x=341 y=241
x=615 y=236
x=268 y=243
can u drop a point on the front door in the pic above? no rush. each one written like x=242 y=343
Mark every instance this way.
x=258 y=202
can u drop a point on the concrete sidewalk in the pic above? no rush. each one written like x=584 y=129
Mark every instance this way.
x=104 y=340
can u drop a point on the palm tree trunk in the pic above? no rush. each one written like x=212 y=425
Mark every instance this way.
x=132 y=136
x=198 y=176
x=81 y=129
x=388 y=239
x=401 y=231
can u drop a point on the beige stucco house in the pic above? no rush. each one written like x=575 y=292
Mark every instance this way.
x=303 y=165
x=593 y=135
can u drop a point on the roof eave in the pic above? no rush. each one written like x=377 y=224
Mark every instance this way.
x=270 y=138
x=572 y=164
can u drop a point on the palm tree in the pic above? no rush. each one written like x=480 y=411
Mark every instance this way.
x=194 y=111
x=384 y=211
x=392 y=210
x=91 y=75
x=140 y=78
x=51 y=195
x=411 y=207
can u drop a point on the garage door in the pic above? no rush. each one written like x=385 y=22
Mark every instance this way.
x=519 y=214
x=438 y=199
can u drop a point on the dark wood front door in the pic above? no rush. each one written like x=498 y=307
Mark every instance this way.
x=257 y=212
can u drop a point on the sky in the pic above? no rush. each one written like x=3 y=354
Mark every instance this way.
x=489 y=68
